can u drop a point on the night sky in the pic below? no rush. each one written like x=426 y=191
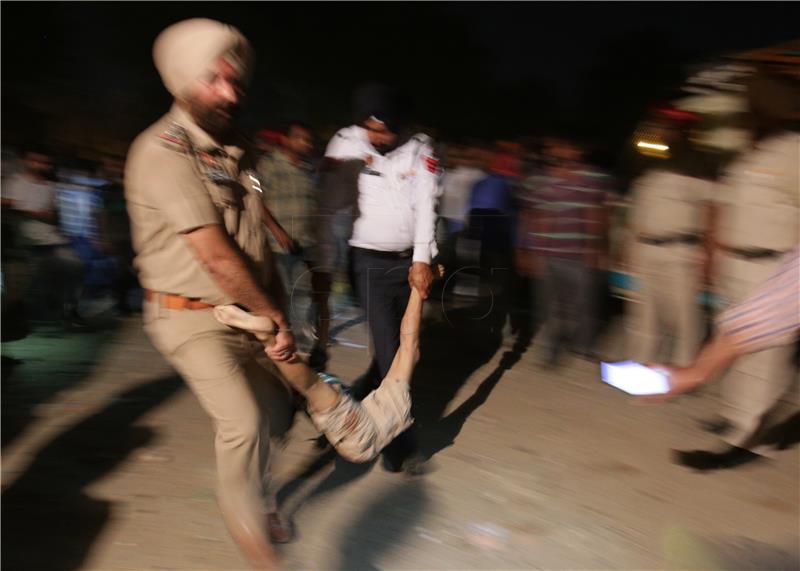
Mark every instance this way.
x=465 y=69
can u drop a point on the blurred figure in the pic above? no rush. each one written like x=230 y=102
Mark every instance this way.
x=200 y=240
x=491 y=225
x=526 y=258
x=13 y=261
x=80 y=207
x=463 y=171
x=56 y=273
x=116 y=236
x=78 y=201
x=392 y=244
x=768 y=317
x=567 y=243
x=291 y=197
x=669 y=216
x=267 y=141
x=756 y=222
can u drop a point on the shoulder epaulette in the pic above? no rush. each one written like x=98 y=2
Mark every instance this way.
x=176 y=138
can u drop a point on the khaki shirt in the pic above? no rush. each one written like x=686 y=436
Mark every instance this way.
x=177 y=179
x=759 y=197
x=667 y=204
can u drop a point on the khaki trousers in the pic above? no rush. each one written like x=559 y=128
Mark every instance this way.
x=666 y=309
x=239 y=388
x=755 y=383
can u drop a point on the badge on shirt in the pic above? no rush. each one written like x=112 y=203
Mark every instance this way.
x=370 y=171
x=213 y=168
x=432 y=164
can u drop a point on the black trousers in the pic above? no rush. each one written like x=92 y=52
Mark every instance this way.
x=381 y=284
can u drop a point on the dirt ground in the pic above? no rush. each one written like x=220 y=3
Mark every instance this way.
x=108 y=465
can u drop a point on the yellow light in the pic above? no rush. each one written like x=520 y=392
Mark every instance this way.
x=653 y=146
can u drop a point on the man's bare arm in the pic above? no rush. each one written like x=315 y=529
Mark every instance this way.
x=714 y=357
x=408 y=354
x=227 y=267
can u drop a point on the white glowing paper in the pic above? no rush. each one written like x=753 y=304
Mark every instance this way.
x=634 y=378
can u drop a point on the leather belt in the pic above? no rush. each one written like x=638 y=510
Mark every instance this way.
x=752 y=253
x=676 y=239
x=390 y=255
x=173 y=301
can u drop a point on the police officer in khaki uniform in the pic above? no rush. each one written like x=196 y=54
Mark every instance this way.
x=668 y=218
x=757 y=222
x=198 y=232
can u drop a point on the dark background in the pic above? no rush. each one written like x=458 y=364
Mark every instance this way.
x=83 y=72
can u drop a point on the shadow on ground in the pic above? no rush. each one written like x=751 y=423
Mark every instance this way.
x=383 y=526
x=49 y=520
x=438 y=432
x=785 y=434
x=687 y=550
x=41 y=365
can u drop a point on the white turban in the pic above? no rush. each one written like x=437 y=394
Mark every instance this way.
x=186 y=51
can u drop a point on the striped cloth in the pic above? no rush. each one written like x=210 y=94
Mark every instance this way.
x=78 y=211
x=568 y=212
x=771 y=315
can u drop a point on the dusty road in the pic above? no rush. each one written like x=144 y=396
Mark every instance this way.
x=108 y=465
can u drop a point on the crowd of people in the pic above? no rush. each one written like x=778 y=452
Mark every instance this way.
x=66 y=239
x=277 y=232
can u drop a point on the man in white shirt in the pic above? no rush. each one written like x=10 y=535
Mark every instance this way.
x=457 y=188
x=393 y=239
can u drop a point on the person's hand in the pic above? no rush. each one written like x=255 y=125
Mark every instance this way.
x=283 y=349
x=681 y=380
x=284 y=240
x=420 y=277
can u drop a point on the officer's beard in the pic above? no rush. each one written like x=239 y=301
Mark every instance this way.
x=218 y=120
x=384 y=148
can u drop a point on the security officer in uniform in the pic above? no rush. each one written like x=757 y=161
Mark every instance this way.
x=669 y=216
x=757 y=211
x=392 y=243
x=198 y=232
